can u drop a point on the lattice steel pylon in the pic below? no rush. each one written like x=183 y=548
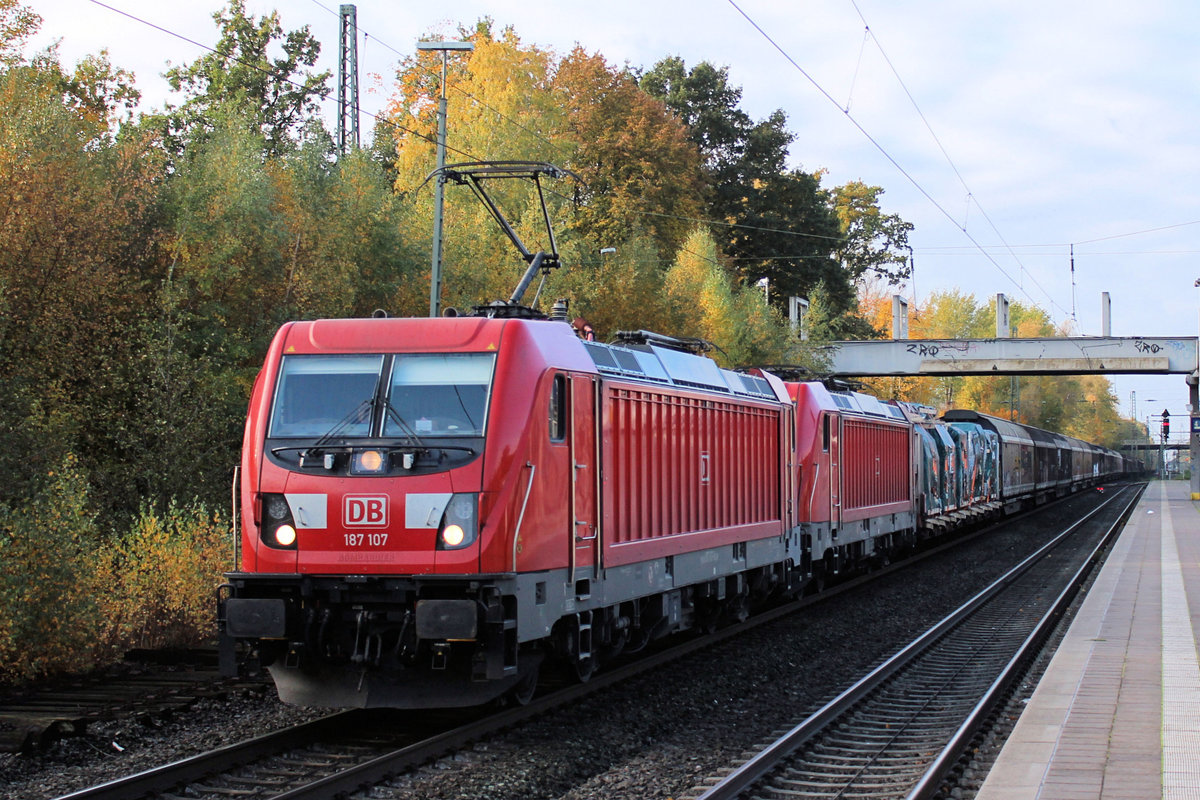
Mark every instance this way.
x=347 y=125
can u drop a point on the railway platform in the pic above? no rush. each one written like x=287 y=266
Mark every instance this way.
x=1117 y=714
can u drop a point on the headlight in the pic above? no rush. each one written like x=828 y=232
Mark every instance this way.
x=368 y=462
x=279 y=529
x=454 y=536
x=285 y=535
x=460 y=522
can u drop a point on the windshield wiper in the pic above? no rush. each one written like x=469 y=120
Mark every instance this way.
x=342 y=424
x=415 y=438
x=405 y=428
x=412 y=440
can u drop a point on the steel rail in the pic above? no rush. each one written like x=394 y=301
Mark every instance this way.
x=167 y=776
x=765 y=761
x=930 y=782
x=206 y=765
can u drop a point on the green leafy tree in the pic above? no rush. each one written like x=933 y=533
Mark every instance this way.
x=621 y=290
x=707 y=104
x=1082 y=406
x=240 y=81
x=781 y=223
x=227 y=252
x=101 y=92
x=787 y=232
x=873 y=243
x=343 y=228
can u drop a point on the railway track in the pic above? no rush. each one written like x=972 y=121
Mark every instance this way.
x=36 y=719
x=902 y=730
x=345 y=752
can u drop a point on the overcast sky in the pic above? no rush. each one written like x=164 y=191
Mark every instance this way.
x=1004 y=131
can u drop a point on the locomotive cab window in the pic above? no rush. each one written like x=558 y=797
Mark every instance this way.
x=319 y=394
x=424 y=394
x=558 y=408
x=825 y=434
x=443 y=394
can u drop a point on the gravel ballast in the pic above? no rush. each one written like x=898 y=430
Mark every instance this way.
x=654 y=737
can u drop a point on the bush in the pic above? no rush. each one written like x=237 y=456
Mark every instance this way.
x=48 y=590
x=162 y=577
x=71 y=604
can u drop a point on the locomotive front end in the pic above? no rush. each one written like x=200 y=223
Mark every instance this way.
x=362 y=496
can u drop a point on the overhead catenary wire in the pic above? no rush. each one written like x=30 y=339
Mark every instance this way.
x=259 y=68
x=883 y=151
x=971 y=197
x=1125 y=235
x=558 y=146
x=466 y=155
x=398 y=126
x=955 y=252
x=455 y=87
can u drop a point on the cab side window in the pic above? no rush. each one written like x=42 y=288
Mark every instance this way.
x=825 y=433
x=558 y=409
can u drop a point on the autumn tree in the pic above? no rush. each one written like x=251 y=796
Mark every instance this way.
x=640 y=172
x=76 y=215
x=706 y=303
x=17 y=23
x=499 y=110
x=639 y=175
x=1082 y=406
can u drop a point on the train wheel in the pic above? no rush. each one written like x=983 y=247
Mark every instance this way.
x=523 y=692
x=583 y=668
x=819 y=580
x=708 y=616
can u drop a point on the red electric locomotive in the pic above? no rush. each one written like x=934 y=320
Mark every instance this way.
x=431 y=507
x=857 y=485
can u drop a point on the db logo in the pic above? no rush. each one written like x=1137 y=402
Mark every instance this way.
x=365 y=509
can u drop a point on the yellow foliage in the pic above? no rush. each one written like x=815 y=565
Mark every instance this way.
x=705 y=302
x=71 y=604
x=163 y=575
x=47 y=590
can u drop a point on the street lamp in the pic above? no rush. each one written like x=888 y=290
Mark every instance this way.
x=439 y=188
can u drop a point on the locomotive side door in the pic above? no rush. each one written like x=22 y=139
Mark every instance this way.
x=833 y=423
x=584 y=522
